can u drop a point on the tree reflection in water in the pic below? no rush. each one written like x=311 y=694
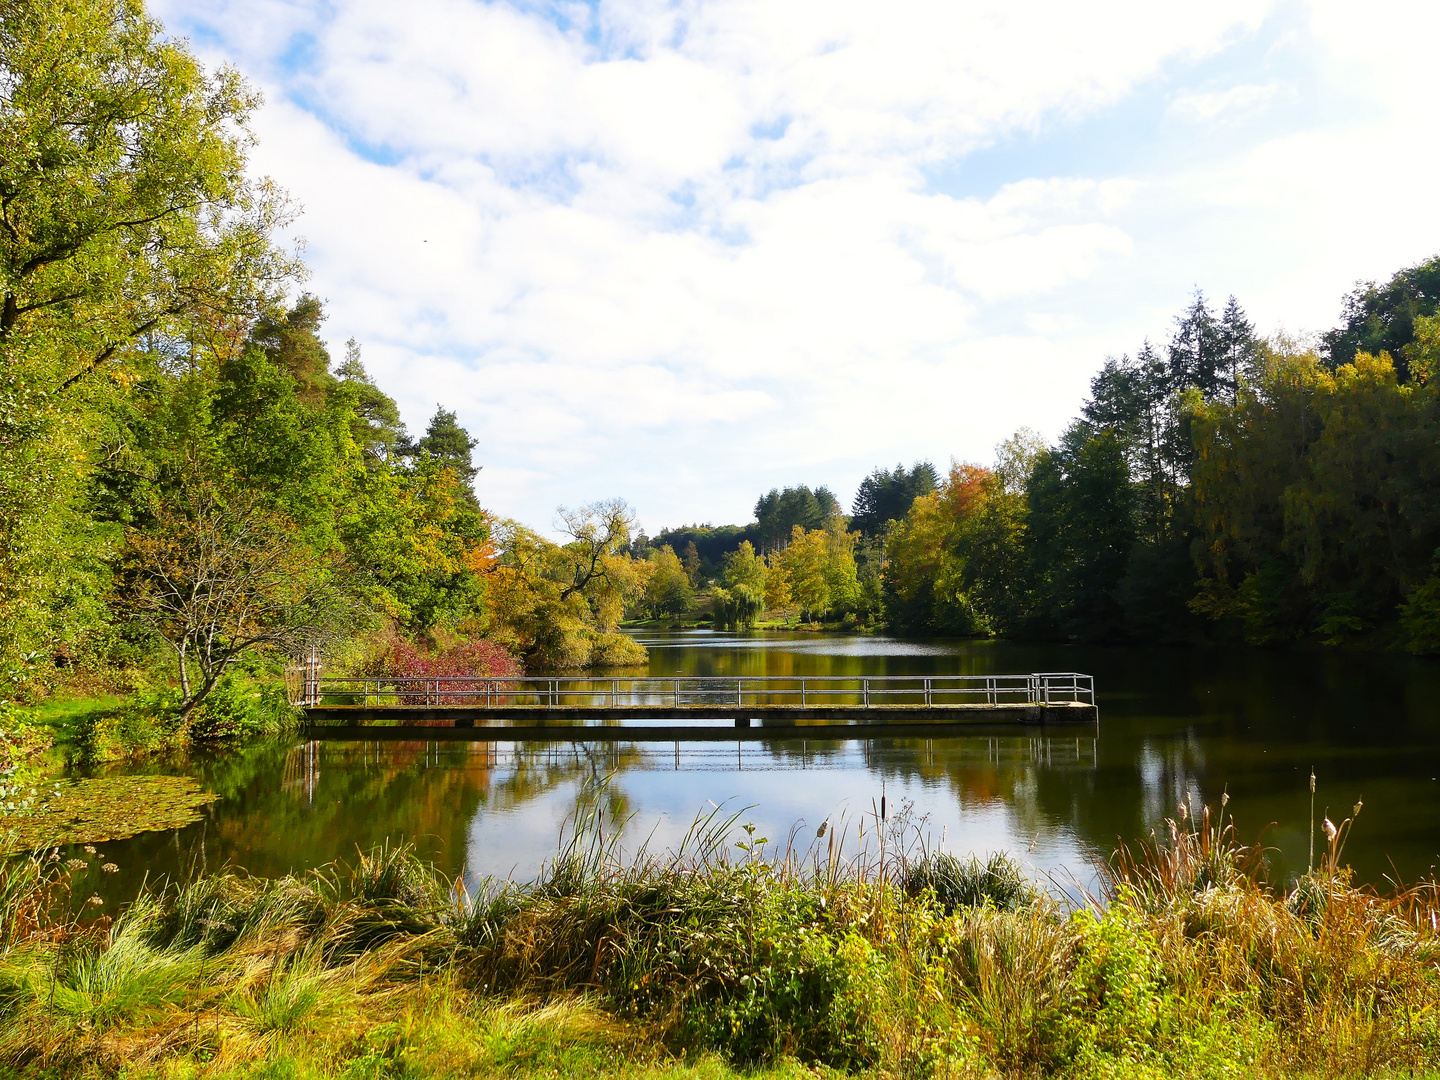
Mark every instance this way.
x=1176 y=726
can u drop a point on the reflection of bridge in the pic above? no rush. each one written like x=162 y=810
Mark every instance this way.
x=554 y=708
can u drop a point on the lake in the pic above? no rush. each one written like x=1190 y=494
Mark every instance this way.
x=1176 y=727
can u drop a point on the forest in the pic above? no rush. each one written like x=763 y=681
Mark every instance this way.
x=194 y=491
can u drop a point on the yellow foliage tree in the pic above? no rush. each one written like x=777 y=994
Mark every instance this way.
x=559 y=605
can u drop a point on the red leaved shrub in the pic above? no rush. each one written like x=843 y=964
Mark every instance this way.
x=441 y=676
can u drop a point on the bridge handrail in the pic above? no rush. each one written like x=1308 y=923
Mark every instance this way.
x=678 y=691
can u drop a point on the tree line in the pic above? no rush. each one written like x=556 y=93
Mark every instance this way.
x=1221 y=487
x=1217 y=486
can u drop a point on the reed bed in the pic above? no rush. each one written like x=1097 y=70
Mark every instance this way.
x=719 y=958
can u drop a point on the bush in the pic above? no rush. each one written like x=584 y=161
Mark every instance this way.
x=240 y=707
x=800 y=988
x=243 y=704
x=970 y=883
x=470 y=658
x=21 y=739
x=1420 y=618
x=616 y=650
x=145 y=724
x=21 y=743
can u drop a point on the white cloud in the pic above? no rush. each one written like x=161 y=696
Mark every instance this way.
x=1205 y=107
x=681 y=251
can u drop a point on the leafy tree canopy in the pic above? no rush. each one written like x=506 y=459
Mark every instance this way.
x=1382 y=318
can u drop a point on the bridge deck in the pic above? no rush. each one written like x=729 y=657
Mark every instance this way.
x=438 y=732
x=590 y=708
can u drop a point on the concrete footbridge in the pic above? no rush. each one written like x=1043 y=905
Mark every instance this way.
x=684 y=708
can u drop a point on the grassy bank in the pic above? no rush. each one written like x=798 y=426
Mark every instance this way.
x=697 y=964
x=97 y=727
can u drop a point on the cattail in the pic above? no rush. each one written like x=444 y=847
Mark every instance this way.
x=1330 y=830
x=1183 y=811
x=1355 y=812
x=820 y=832
x=1310 y=865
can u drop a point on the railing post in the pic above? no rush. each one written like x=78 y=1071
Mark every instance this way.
x=802 y=693
x=928 y=701
x=738 y=692
x=865 y=692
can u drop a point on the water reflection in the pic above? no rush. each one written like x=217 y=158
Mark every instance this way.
x=1177 y=726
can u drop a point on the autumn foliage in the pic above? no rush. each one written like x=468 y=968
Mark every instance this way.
x=436 y=674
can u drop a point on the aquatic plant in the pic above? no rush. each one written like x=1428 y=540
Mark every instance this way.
x=74 y=811
x=956 y=883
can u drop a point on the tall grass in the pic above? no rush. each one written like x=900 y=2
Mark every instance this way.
x=882 y=958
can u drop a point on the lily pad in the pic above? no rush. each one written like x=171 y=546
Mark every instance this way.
x=108 y=808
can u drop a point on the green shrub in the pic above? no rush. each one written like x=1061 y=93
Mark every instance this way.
x=616 y=650
x=1420 y=618
x=243 y=707
x=957 y=883
x=21 y=742
x=790 y=983
x=147 y=723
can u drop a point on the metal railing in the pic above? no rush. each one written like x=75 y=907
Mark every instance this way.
x=707 y=691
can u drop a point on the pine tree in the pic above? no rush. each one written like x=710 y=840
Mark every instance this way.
x=1239 y=348
x=449 y=443
x=377 y=427
x=1195 y=350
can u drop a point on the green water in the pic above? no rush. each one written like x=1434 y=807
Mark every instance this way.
x=1177 y=726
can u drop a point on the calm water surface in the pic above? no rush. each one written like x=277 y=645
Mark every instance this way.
x=1176 y=726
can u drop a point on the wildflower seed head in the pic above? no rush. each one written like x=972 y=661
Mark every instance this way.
x=1355 y=812
x=1330 y=830
x=1312 y=781
x=110 y=868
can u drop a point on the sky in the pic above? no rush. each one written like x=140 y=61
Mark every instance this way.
x=681 y=253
